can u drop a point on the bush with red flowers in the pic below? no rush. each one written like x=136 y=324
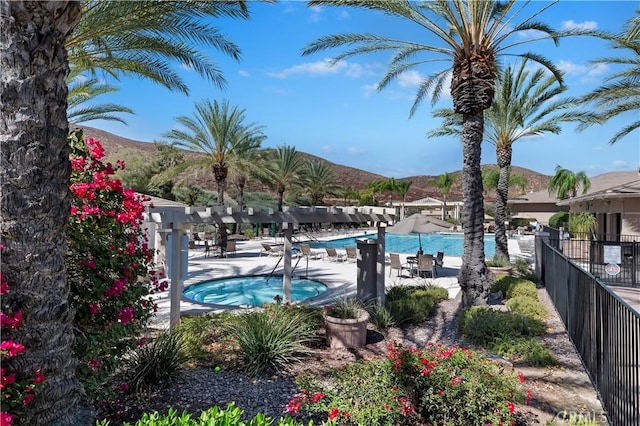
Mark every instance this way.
x=108 y=263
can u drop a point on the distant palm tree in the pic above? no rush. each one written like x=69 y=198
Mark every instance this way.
x=491 y=179
x=443 y=183
x=283 y=170
x=526 y=104
x=621 y=92
x=147 y=38
x=402 y=188
x=246 y=162
x=346 y=193
x=215 y=130
x=470 y=36
x=318 y=180
x=376 y=187
x=564 y=183
x=81 y=91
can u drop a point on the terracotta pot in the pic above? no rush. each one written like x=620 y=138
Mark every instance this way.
x=346 y=333
x=500 y=270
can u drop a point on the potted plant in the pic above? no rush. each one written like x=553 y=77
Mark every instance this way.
x=346 y=324
x=499 y=266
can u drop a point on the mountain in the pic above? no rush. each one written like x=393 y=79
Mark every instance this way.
x=422 y=186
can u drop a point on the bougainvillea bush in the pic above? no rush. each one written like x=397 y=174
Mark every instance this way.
x=437 y=385
x=108 y=263
x=16 y=392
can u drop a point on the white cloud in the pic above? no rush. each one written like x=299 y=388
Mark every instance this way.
x=588 y=73
x=355 y=151
x=410 y=78
x=621 y=164
x=343 y=15
x=585 y=26
x=277 y=91
x=186 y=67
x=599 y=148
x=531 y=34
x=368 y=89
x=316 y=11
x=243 y=73
x=326 y=149
x=326 y=67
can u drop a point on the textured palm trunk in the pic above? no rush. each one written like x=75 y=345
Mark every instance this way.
x=35 y=203
x=473 y=277
x=223 y=229
x=280 y=199
x=444 y=208
x=241 y=183
x=502 y=194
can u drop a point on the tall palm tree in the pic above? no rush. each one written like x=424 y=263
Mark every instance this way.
x=82 y=90
x=526 y=104
x=621 y=92
x=346 y=193
x=443 y=183
x=35 y=204
x=565 y=183
x=318 y=180
x=246 y=162
x=147 y=38
x=471 y=35
x=491 y=180
x=402 y=188
x=283 y=170
x=214 y=130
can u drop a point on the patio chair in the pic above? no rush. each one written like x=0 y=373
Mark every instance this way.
x=231 y=247
x=397 y=264
x=426 y=264
x=439 y=260
x=352 y=254
x=333 y=255
x=270 y=251
x=311 y=254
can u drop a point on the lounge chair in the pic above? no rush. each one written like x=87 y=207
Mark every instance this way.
x=397 y=264
x=426 y=264
x=439 y=260
x=311 y=254
x=333 y=255
x=268 y=250
x=231 y=247
x=352 y=254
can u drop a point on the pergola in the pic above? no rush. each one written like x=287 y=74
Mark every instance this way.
x=174 y=220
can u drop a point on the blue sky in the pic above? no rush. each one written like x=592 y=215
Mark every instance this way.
x=337 y=113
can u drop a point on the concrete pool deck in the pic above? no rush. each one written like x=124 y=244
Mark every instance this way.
x=340 y=277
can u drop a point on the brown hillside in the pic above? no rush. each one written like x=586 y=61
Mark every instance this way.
x=421 y=187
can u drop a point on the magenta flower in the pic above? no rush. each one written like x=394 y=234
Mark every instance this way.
x=12 y=347
x=456 y=381
x=126 y=315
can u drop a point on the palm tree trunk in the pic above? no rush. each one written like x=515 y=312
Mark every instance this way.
x=35 y=203
x=444 y=208
x=280 y=200
x=222 y=231
x=473 y=277
x=502 y=194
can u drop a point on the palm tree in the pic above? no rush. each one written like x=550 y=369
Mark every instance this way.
x=346 y=193
x=214 y=130
x=491 y=179
x=376 y=187
x=564 y=183
x=621 y=92
x=35 y=205
x=283 y=170
x=525 y=105
x=402 y=187
x=471 y=35
x=247 y=161
x=82 y=90
x=147 y=38
x=318 y=180
x=443 y=183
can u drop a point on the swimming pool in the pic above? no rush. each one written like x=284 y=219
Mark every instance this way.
x=450 y=244
x=253 y=290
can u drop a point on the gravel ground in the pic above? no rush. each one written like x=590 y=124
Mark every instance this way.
x=566 y=387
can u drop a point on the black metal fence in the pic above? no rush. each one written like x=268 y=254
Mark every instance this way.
x=615 y=259
x=604 y=329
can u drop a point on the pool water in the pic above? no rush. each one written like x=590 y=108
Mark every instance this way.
x=450 y=244
x=251 y=290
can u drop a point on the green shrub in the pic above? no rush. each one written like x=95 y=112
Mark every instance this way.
x=412 y=305
x=347 y=308
x=527 y=349
x=517 y=222
x=381 y=317
x=527 y=306
x=531 y=277
x=483 y=325
x=273 y=337
x=455 y=386
x=230 y=416
x=499 y=262
x=559 y=219
x=503 y=283
x=398 y=292
x=155 y=361
x=362 y=394
x=197 y=331
x=521 y=266
x=522 y=288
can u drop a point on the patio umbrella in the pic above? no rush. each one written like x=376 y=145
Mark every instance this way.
x=419 y=224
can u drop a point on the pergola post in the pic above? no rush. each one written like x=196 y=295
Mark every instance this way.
x=175 y=288
x=380 y=275
x=286 y=279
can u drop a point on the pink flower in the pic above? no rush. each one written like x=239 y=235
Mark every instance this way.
x=333 y=413
x=123 y=386
x=521 y=377
x=7 y=380
x=27 y=399
x=126 y=315
x=511 y=406
x=294 y=405
x=317 y=397
x=456 y=381
x=94 y=363
x=12 y=347
x=94 y=308
x=5 y=419
x=39 y=378
x=4 y=285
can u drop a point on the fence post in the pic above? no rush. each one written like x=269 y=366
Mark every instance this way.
x=540 y=239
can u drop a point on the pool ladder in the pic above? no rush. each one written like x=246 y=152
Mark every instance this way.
x=278 y=263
